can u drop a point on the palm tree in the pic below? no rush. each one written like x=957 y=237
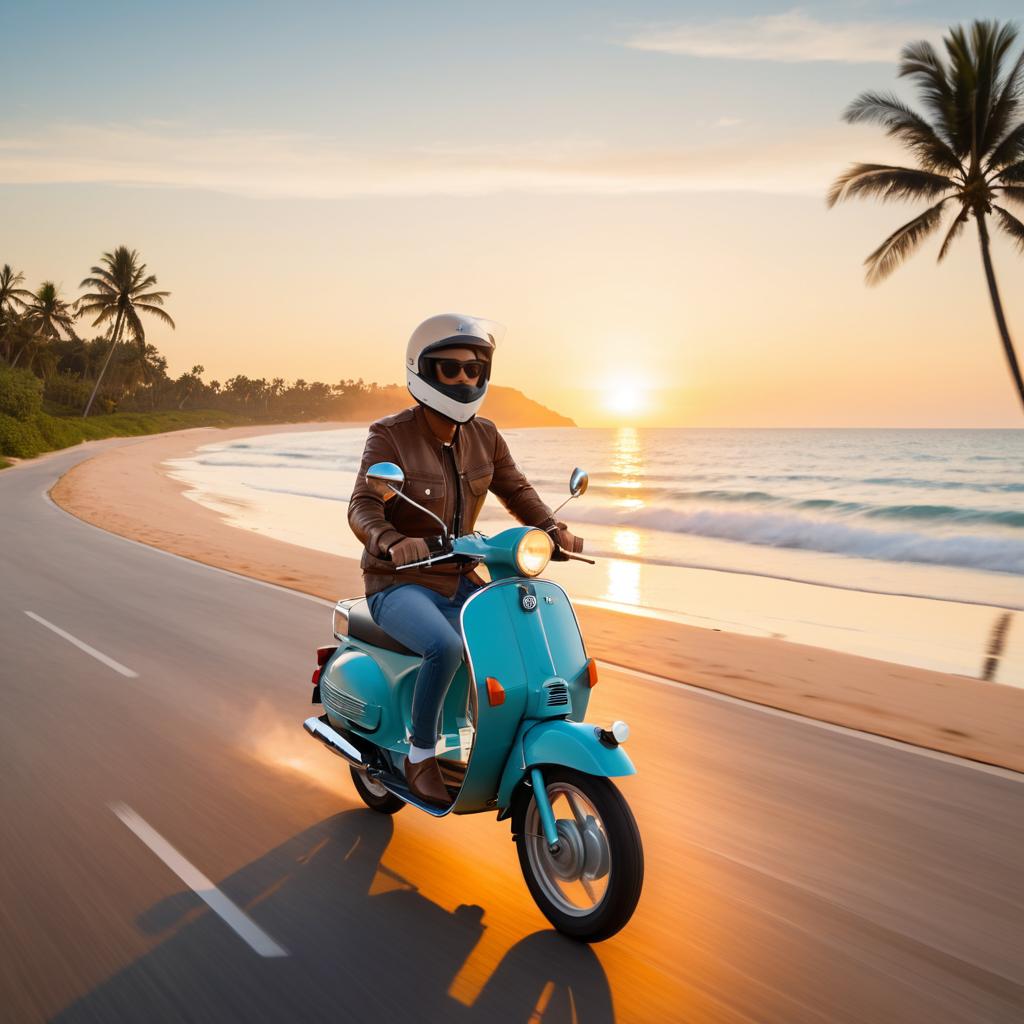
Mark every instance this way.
x=13 y=299
x=45 y=316
x=121 y=284
x=970 y=153
x=188 y=382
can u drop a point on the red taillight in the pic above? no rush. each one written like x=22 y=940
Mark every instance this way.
x=495 y=692
x=592 y=673
x=322 y=654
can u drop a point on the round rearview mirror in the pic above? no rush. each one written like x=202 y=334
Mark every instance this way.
x=385 y=478
x=578 y=482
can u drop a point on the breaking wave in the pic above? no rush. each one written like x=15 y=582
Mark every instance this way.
x=1000 y=554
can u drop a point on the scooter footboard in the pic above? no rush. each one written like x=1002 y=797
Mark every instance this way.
x=559 y=741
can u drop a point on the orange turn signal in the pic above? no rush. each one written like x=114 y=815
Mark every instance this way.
x=495 y=692
x=591 y=673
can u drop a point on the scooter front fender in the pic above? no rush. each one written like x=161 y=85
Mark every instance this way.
x=559 y=741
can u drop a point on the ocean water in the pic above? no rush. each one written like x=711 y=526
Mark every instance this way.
x=695 y=524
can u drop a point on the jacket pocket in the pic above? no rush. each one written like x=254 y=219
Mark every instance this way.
x=480 y=480
x=477 y=483
x=427 y=491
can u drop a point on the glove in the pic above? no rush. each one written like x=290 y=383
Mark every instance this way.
x=408 y=550
x=565 y=540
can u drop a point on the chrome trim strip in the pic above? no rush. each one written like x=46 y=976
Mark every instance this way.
x=334 y=741
x=341 y=611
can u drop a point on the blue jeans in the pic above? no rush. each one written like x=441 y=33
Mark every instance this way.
x=428 y=623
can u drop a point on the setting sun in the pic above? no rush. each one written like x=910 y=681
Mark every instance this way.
x=625 y=398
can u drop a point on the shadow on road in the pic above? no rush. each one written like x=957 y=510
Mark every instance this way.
x=363 y=942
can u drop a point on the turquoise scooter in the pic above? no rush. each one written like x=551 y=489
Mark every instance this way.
x=513 y=736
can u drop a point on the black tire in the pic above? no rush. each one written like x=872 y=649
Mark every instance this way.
x=383 y=803
x=626 y=873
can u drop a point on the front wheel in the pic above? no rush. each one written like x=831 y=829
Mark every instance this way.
x=374 y=795
x=589 y=888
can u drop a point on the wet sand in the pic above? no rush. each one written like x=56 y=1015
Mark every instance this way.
x=126 y=490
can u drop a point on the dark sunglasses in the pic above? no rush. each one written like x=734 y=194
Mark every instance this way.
x=450 y=368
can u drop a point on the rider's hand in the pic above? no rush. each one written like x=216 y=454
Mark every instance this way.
x=565 y=540
x=408 y=550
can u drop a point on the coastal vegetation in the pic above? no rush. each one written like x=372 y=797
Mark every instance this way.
x=969 y=152
x=58 y=388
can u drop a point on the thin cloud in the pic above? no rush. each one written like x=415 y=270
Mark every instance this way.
x=791 y=37
x=279 y=165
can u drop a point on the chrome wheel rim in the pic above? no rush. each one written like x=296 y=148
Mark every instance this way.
x=372 y=787
x=575 y=879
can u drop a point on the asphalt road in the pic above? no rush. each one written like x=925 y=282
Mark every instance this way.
x=174 y=847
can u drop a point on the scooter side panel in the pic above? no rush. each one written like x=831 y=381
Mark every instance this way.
x=373 y=677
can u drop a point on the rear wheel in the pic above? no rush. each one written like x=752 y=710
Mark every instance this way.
x=374 y=795
x=589 y=888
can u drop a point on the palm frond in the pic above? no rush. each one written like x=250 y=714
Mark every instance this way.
x=885 y=182
x=963 y=80
x=996 y=98
x=909 y=127
x=921 y=63
x=108 y=313
x=101 y=280
x=140 y=283
x=1012 y=174
x=1009 y=149
x=1012 y=193
x=1011 y=95
x=954 y=230
x=1010 y=225
x=901 y=243
x=155 y=311
x=156 y=298
x=135 y=325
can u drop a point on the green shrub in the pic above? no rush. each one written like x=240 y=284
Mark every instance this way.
x=21 y=393
x=57 y=432
x=68 y=391
x=22 y=440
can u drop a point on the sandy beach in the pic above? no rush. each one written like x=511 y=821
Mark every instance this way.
x=126 y=491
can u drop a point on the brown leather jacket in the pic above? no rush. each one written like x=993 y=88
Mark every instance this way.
x=482 y=463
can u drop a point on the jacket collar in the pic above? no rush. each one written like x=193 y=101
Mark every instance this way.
x=421 y=419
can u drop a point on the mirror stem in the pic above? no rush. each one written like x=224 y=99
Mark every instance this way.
x=564 y=503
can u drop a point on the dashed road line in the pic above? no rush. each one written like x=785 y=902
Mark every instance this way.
x=83 y=646
x=230 y=913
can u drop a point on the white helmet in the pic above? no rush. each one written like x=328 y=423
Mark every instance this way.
x=458 y=402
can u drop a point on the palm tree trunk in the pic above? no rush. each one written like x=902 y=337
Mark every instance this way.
x=997 y=305
x=115 y=338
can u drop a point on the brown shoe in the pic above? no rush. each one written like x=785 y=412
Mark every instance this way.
x=424 y=780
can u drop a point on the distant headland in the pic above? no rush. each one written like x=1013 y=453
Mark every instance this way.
x=506 y=406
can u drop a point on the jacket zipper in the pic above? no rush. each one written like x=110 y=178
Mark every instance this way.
x=457 y=522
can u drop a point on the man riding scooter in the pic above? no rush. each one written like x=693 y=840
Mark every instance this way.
x=451 y=458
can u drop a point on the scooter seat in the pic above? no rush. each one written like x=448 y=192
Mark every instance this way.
x=362 y=627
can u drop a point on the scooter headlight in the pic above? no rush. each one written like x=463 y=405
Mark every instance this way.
x=533 y=552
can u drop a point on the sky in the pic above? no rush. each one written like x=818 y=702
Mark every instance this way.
x=636 y=191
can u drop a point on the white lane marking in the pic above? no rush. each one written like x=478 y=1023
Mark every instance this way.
x=884 y=741
x=232 y=915
x=843 y=730
x=82 y=646
x=189 y=561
